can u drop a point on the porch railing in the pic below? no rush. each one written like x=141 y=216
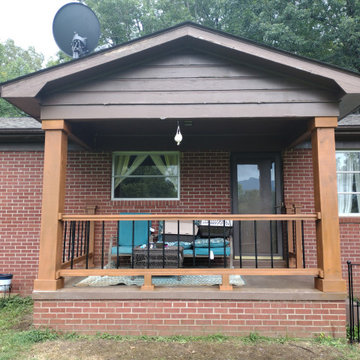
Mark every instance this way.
x=87 y=244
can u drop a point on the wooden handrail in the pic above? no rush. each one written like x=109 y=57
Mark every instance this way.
x=235 y=217
x=195 y=271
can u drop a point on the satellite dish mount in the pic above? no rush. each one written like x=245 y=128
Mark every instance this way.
x=78 y=46
x=76 y=29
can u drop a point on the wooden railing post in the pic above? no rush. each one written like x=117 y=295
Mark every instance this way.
x=53 y=197
x=91 y=210
x=326 y=203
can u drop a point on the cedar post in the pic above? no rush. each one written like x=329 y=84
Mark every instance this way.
x=326 y=203
x=53 y=197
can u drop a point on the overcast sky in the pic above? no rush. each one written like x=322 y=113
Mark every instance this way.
x=29 y=23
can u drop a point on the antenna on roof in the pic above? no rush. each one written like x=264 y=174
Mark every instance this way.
x=76 y=29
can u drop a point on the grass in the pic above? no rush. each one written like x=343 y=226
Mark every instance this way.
x=17 y=335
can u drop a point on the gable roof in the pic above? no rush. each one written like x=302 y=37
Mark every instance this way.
x=25 y=92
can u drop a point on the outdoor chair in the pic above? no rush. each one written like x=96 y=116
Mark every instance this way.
x=130 y=233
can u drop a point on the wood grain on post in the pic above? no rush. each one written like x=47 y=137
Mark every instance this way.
x=326 y=202
x=55 y=159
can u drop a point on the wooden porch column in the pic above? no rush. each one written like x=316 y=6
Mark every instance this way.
x=326 y=203
x=53 y=196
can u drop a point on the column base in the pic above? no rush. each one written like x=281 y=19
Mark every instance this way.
x=326 y=285
x=48 y=285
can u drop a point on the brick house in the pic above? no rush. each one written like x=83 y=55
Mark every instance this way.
x=258 y=149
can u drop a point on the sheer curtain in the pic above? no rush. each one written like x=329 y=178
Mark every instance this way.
x=122 y=167
x=357 y=178
x=167 y=167
x=348 y=182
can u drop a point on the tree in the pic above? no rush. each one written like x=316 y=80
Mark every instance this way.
x=326 y=30
x=15 y=62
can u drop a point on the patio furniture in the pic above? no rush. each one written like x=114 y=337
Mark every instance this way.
x=202 y=240
x=130 y=234
x=158 y=257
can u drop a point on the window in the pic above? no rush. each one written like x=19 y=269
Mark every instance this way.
x=144 y=175
x=348 y=178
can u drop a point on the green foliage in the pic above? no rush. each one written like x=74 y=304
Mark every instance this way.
x=60 y=59
x=35 y=336
x=15 y=62
x=330 y=341
x=327 y=30
x=12 y=310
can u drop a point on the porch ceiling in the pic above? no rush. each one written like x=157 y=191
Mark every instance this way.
x=258 y=134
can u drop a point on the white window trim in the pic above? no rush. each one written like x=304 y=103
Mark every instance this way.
x=347 y=193
x=143 y=153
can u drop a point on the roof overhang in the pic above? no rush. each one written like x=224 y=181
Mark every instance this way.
x=25 y=92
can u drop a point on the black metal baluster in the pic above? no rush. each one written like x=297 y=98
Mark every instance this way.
x=193 y=246
x=351 y=308
x=77 y=239
x=255 y=240
x=148 y=245
x=73 y=245
x=271 y=245
x=132 y=244
x=163 y=248
x=286 y=241
x=178 y=243
x=224 y=233
x=357 y=321
x=209 y=240
x=240 y=247
x=81 y=239
x=64 y=245
x=117 y=245
x=87 y=239
x=303 y=242
x=70 y=237
x=102 y=244
x=294 y=239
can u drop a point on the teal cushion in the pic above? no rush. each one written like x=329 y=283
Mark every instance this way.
x=140 y=227
x=184 y=244
x=205 y=251
x=214 y=243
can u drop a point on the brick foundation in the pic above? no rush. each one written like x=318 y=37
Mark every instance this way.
x=193 y=317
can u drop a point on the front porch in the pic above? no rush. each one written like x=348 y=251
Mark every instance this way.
x=288 y=235
x=241 y=107
x=299 y=293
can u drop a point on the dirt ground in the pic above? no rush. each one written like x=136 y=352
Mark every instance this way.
x=98 y=349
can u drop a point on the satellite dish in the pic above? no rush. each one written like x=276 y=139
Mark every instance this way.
x=76 y=29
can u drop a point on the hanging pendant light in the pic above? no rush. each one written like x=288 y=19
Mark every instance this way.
x=178 y=136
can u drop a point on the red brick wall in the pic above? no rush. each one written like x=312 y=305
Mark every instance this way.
x=194 y=317
x=299 y=189
x=20 y=209
x=205 y=187
x=350 y=248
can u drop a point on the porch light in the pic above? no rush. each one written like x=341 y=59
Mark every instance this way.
x=178 y=136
